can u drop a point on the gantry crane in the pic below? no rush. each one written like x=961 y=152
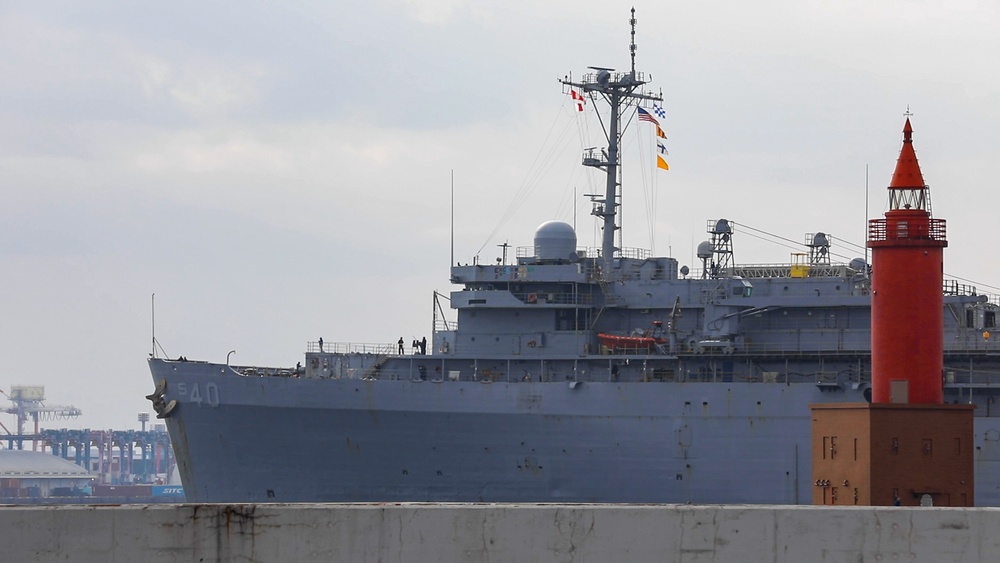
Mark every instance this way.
x=29 y=403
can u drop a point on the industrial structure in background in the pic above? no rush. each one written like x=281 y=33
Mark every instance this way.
x=906 y=447
x=123 y=465
x=29 y=402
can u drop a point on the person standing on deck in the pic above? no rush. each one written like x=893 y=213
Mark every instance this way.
x=402 y=350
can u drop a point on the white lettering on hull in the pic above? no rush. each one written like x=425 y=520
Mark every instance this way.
x=200 y=394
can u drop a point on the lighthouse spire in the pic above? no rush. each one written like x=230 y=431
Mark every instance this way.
x=907 y=189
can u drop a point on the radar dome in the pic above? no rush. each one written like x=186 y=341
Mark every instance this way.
x=859 y=264
x=820 y=239
x=555 y=240
x=705 y=249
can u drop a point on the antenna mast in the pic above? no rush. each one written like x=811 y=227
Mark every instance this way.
x=619 y=90
x=452 y=218
x=631 y=45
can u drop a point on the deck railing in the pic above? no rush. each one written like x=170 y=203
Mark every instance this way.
x=789 y=347
x=353 y=347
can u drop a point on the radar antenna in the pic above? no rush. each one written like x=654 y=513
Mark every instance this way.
x=819 y=248
x=721 y=246
x=620 y=90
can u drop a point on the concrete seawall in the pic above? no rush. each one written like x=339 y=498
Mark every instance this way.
x=462 y=532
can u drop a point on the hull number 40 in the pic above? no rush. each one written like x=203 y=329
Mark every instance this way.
x=200 y=393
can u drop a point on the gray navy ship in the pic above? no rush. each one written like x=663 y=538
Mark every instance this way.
x=574 y=375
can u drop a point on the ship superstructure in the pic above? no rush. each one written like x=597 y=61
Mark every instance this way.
x=574 y=374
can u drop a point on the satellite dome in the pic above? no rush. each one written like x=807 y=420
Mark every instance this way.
x=722 y=226
x=555 y=240
x=705 y=249
x=858 y=264
x=820 y=239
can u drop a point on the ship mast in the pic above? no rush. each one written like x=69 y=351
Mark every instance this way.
x=619 y=90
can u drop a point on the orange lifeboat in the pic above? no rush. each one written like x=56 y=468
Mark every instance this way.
x=635 y=342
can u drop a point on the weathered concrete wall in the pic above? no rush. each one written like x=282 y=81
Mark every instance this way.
x=413 y=532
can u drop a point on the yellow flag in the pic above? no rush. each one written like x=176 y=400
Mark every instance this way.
x=660 y=163
x=659 y=133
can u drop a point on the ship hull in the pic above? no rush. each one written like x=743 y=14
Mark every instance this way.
x=286 y=439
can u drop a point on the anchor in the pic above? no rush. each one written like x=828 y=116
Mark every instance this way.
x=160 y=405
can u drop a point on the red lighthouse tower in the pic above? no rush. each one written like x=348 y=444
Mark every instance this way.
x=907 y=275
x=905 y=447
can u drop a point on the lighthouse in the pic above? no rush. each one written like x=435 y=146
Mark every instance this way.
x=907 y=276
x=906 y=447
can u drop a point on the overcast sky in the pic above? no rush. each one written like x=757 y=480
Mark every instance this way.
x=276 y=173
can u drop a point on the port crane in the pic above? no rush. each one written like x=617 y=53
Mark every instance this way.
x=29 y=402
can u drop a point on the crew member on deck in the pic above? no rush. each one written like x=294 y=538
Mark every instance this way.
x=402 y=350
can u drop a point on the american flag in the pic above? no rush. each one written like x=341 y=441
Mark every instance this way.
x=645 y=116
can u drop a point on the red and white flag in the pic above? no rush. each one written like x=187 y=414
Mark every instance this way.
x=578 y=98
